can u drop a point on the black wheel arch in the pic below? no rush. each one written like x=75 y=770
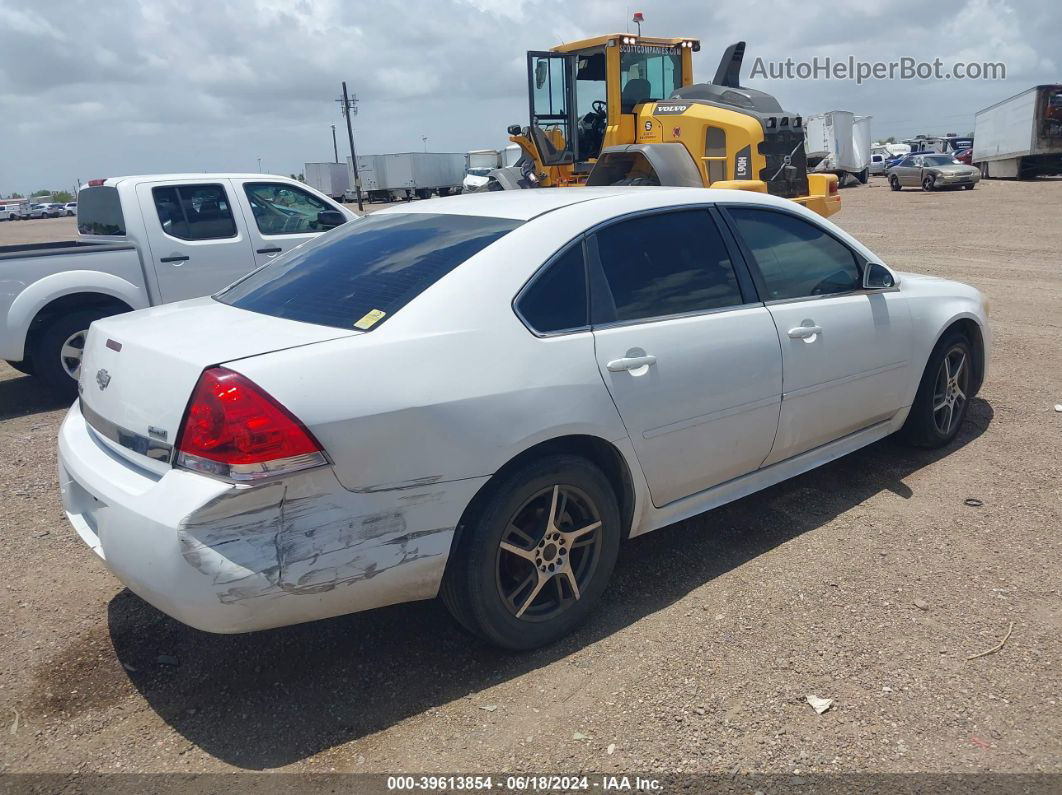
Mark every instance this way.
x=72 y=302
x=971 y=329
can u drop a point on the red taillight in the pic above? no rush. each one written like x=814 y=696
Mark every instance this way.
x=233 y=429
x=95 y=183
x=833 y=187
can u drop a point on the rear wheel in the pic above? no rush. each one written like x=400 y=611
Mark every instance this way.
x=894 y=182
x=58 y=348
x=943 y=394
x=535 y=558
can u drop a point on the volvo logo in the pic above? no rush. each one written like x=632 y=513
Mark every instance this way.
x=102 y=379
x=787 y=160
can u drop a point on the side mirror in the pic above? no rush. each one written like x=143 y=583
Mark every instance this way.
x=514 y=129
x=878 y=277
x=330 y=219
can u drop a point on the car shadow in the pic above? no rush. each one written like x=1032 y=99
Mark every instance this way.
x=23 y=395
x=271 y=698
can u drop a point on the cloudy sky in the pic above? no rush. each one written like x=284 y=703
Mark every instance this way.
x=92 y=88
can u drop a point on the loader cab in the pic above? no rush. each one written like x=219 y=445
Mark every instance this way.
x=583 y=95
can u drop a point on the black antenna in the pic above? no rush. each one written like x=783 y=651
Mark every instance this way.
x=729 y=71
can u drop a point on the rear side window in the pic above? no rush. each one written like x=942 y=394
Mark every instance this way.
x=195 y=212
x=556 y=299
x=100 y=211
x=796 y=258
x=664 y=264
x=365 y=271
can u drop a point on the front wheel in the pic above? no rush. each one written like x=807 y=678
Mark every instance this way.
x=536 y=556
x=943 y=394
x=929 y=183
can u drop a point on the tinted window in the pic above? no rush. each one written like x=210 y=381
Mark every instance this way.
x=665 y=264
x=281 y=209
x=195 y=212
x=100 y=211
x=366 y=270
x=797 y=258
x=556 y=299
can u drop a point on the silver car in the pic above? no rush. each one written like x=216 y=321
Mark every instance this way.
x=932 y=172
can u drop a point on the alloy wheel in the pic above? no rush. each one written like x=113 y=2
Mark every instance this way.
x=71 y=352
x=949 y=390
x=549 y=553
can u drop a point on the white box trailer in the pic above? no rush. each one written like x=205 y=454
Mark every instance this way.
x=1021 y=136
x=331 y=179
x=838 y=142
x=403 y=175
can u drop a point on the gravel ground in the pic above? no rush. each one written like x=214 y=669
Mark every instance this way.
x=868 y=581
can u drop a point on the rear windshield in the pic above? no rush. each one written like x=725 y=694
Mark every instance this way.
x=99 y=211
x=360 y=274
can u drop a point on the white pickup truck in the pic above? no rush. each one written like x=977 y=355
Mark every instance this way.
x=143 y=241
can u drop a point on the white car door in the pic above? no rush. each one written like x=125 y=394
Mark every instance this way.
x=280 y=216
x=689 y=356
x=846 y=351
x=198 y=244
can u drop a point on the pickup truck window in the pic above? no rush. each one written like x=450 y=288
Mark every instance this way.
x=281 y=209
x=361 y=274
x=100 y=211
x=195 y=212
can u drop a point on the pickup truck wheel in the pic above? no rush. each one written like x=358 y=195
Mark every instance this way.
x=537 y=555
x=25 y=366
x=57 y=350
x=943 y=394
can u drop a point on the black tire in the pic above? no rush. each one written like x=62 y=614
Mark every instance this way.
x=894 y=182
x=929 y=183
x=25 y=366
x=967 y=187
x=636 y=181
x=473 y=585
x=923 y=426
x=49 y=343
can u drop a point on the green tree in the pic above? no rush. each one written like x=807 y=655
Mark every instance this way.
x=16 y=195
x=890 y=140
x=63 y=196
x=41 y=193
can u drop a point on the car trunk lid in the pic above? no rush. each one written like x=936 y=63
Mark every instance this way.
x=139 y=369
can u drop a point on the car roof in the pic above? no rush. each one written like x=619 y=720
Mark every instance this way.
x=523 y=205
x=196 y=176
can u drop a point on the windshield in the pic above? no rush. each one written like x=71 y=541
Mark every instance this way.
x=362 y=273
x=940 y=160
x=479 y=172
x=647 y=73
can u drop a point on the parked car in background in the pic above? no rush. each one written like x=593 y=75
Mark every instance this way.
x=932 y=172
x=39 y=211
x=70 y=208
x=13 y=210
x=481 y=396
x=877 y=164
x=964 y=156
x=142 y=241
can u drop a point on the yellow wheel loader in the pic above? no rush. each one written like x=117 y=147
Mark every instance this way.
x=624 y=110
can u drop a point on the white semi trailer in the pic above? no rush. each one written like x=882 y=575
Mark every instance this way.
x=838 y=143
x=1021 y=137
x=405 y=175
x=331 y=179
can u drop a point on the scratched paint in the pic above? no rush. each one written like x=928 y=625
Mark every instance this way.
x=297 y=538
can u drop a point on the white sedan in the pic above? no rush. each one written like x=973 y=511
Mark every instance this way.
x=481 y=397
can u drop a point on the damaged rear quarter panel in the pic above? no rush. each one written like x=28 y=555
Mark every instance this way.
x=335 y=551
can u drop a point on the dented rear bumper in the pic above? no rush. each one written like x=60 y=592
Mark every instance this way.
x=224 y=558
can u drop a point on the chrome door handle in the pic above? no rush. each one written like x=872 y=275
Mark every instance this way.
x=630 y=363
x=803 y=332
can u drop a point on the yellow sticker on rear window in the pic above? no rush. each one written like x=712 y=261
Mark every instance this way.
x=370 y=319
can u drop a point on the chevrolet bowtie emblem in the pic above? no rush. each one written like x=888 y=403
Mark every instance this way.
x=102 y=379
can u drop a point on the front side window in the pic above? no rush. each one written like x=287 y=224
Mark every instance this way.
x=556 y=299
x=194 y=212
x=359 y=276
x=664 y=264
x=281 y=209
x=796 y=258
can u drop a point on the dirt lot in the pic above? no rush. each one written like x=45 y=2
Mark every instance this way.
x=715 y=629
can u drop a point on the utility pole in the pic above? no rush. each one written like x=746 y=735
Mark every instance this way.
x=350 y=105
x=334 y=147
x=259 y=165
x=424 y=139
